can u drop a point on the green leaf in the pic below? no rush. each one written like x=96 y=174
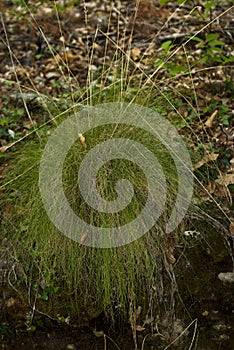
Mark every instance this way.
x=4 y=121
x=8 y=82
x=225 y=120
x=166 y=45
x=160 y=64
x=38 y=56
x=196 y=38
x=203 y=59
x=162 y=2
x=211 y=37
x=209 y=5
x=215 y=49
x=216 y=42
x=178 y=69
x=43 y=296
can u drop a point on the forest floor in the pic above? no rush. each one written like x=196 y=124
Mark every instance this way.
x=57 y=53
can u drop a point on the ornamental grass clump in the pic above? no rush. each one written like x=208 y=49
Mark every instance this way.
x=100 y=156
x=76 y=278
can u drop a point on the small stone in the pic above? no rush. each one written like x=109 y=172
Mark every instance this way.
x=51 y=75
x=205 y=313
x=71 y=347
x=226 y=277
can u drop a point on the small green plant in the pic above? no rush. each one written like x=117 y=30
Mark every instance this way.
x=173 y=67
x=47 y=292
x=212 y=49
x=13 y=113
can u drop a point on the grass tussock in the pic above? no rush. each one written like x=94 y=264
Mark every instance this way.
x=64 y=275
x=87 y=280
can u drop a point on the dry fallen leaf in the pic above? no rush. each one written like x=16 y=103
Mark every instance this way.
x=208 y=190
x=219 y=188
x=82 y=140
x=10 y=302
x=222 y=191
x=83 y=237
x=63 y=57
x=169 y=256
x=135 y=53
x=3 y=149
x=209 y=122
x=227 y=179
x=206 y=159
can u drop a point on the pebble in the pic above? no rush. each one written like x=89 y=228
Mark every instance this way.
x=71 y=347
x=226 y=277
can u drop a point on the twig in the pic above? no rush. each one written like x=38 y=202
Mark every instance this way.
x=176 y=36
x=120 y=14
x=194 y=333
x=228 y=136
x=106 y=336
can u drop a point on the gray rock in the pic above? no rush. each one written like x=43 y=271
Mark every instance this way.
x=226 y=277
